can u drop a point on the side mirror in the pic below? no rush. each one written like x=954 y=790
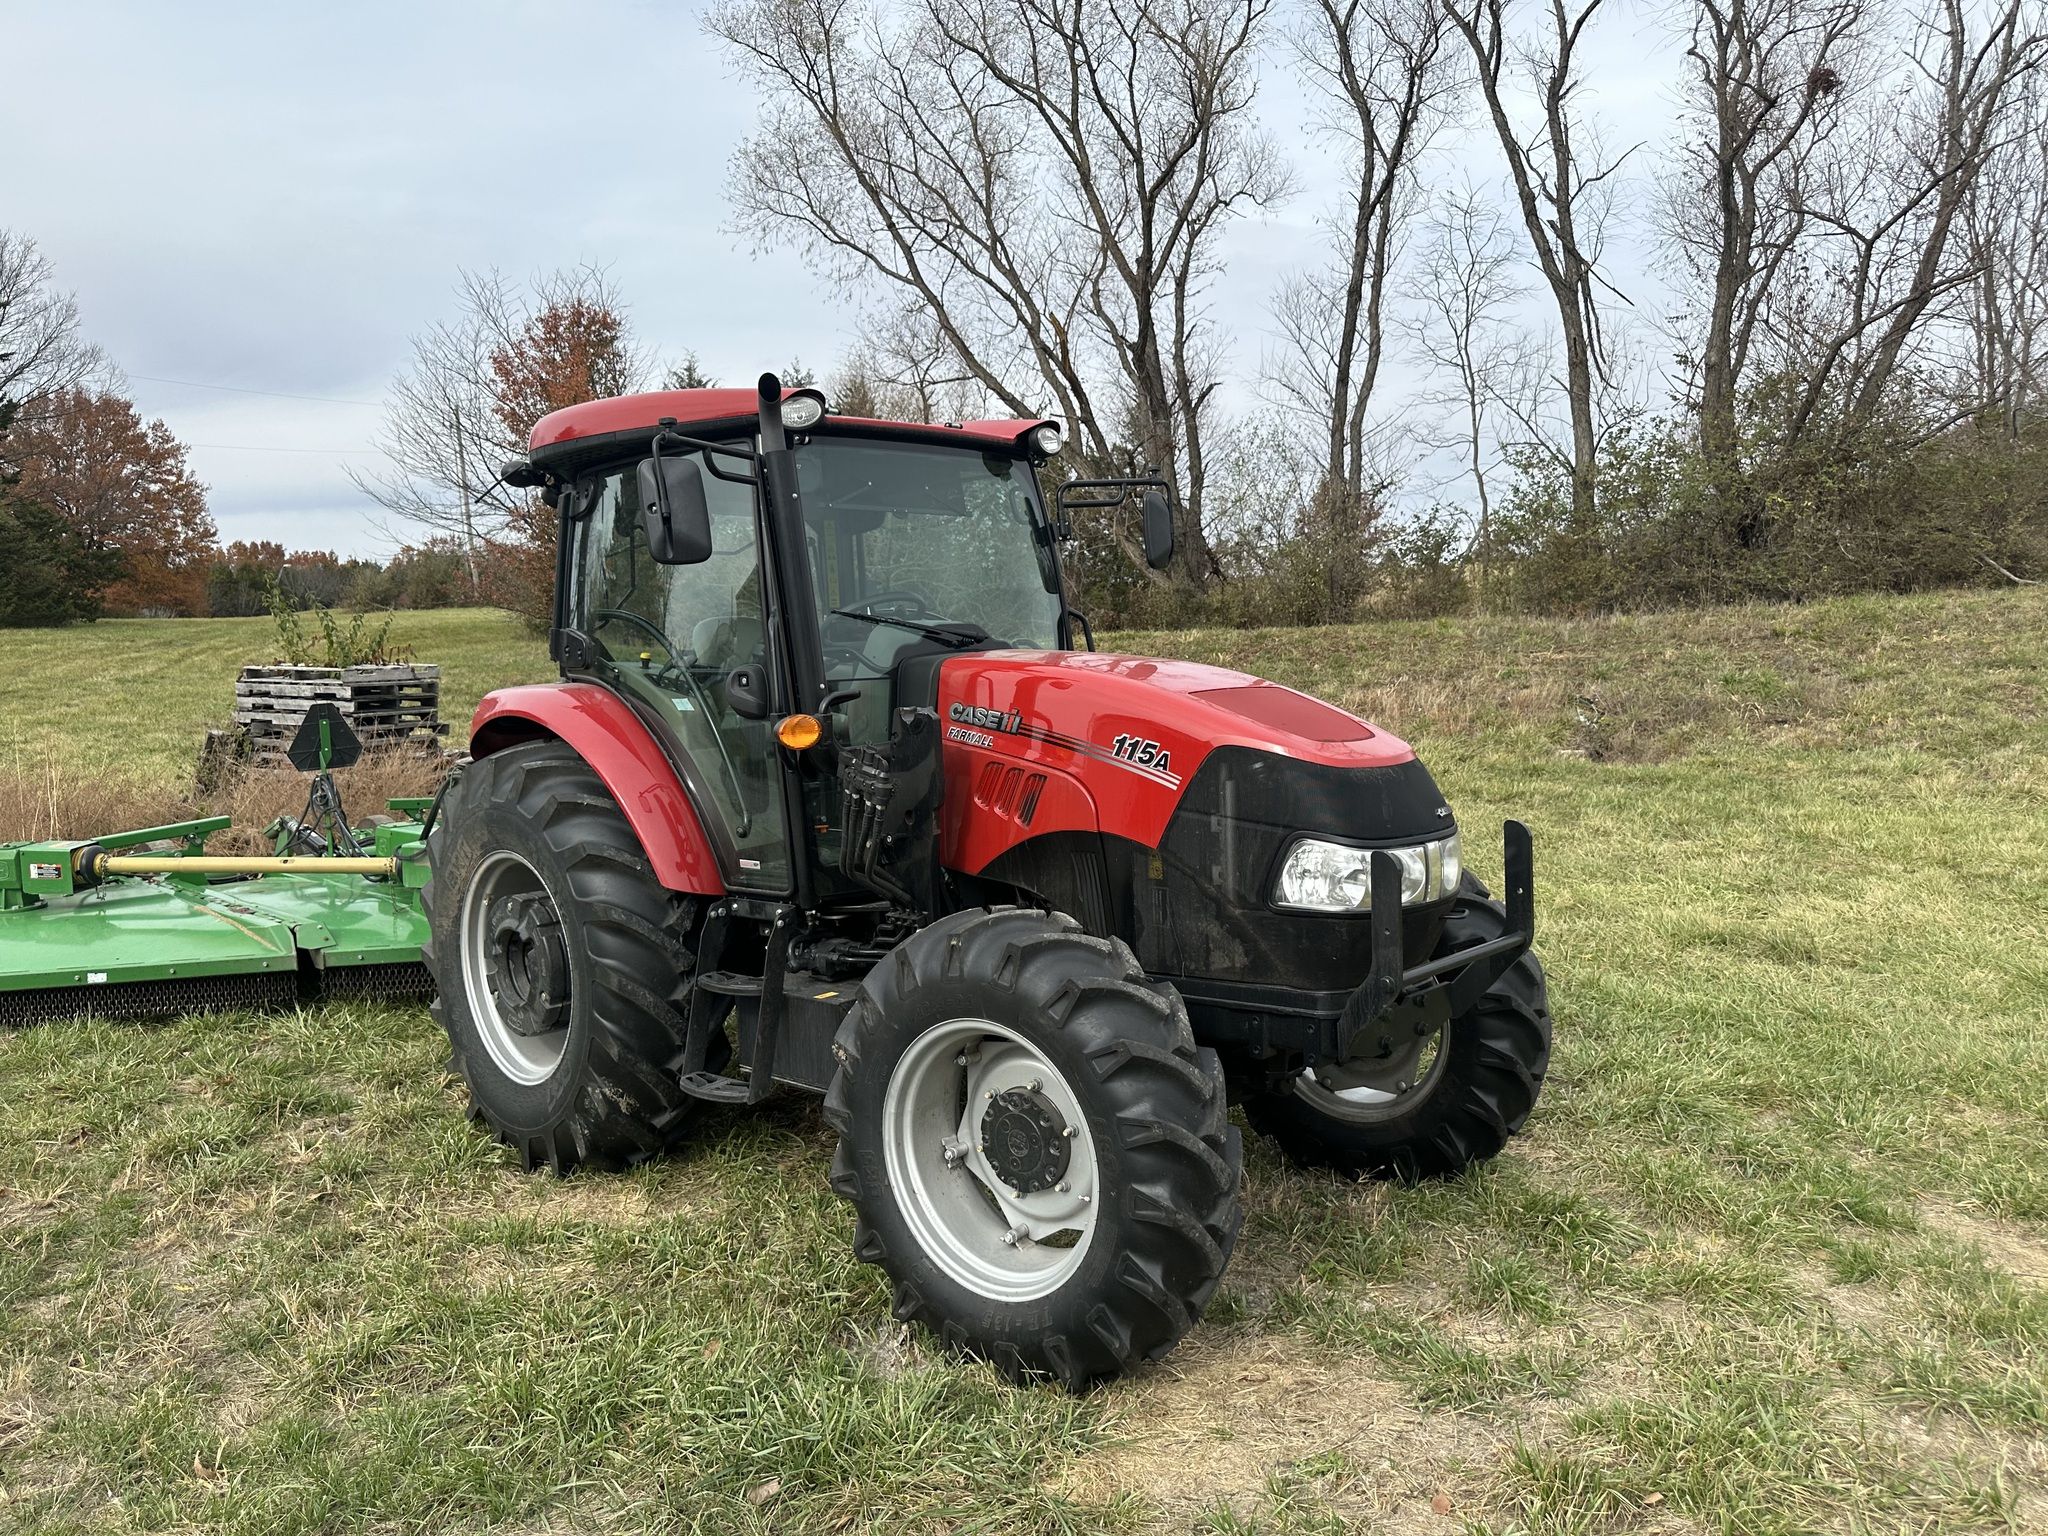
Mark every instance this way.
x=1158 y=530
x=673 y=510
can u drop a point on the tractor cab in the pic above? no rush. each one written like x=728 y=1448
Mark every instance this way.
x=689 y=589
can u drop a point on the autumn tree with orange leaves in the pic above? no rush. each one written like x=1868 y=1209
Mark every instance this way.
x=124 y=489
x=574 y=349
x=467 y=403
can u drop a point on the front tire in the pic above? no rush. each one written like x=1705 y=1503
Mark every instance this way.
x=1036 y=1151
x=1471 y=1086
x=560 y=961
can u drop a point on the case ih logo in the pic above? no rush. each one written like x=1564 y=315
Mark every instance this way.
x=987 y=719
x=1140 y=755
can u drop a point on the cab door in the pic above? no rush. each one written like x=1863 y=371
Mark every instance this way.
x=665 y=637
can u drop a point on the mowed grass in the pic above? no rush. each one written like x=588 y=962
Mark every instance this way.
x=132 y=697
x=1772 y=1256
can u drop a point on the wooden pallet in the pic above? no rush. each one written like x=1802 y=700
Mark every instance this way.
x=385 y=672
x=386 y=706
x=269 y=750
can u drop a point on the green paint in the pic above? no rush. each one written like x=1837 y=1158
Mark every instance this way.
x=155 y=929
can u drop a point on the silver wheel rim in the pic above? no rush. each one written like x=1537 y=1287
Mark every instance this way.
x=1364 y=1092
x=997 y=1243
x=527 y=1059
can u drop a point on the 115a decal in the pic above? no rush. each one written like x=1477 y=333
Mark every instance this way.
x=1136 y=749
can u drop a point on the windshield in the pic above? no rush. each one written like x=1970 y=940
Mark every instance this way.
x=906 y=538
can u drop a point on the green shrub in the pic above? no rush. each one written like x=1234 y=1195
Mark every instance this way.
x=364 y=640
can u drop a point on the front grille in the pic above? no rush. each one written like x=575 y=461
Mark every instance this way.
x=1202 y=902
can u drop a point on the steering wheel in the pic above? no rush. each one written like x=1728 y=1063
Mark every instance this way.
x=645 y=626
x=908 y=602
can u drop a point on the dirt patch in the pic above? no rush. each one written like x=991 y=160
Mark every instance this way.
x=1225 y=1413
x=2018 y=1462
x=2021 y=1254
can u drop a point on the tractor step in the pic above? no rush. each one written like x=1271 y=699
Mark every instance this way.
x=730 y=984
x=713 y=1088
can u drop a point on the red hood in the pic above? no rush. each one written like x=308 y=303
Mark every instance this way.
x=1097 y=695
x=1084 y=740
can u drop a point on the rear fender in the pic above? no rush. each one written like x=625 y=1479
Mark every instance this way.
x=606 y=734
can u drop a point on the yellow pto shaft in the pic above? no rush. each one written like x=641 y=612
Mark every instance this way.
x=254 y=864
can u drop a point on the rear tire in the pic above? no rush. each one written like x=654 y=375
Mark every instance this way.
x=1160 y=1163
x=594 y=1087
x=1491 y=1063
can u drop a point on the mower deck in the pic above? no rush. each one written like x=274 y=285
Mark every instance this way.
x=146 y=948
x=110 y=929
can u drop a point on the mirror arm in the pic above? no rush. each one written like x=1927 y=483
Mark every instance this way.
x=668 y=437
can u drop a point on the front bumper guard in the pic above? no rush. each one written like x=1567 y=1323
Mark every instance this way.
x=1394 y=1000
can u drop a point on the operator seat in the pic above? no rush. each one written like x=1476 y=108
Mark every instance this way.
x=729 y=642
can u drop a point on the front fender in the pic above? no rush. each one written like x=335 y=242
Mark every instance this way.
x=606 y=734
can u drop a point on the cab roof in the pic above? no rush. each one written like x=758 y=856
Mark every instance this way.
x=704 y=411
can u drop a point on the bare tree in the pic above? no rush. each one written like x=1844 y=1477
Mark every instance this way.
x=2007 y=224
x=901 y=368
x=40 y=350
x=460 y=410
x=1382 y=75
x=1381 y=69
x=1046 y=178
x=1761 y=91
x=1559 y=187
x=1464 y=294
x=1887 y=209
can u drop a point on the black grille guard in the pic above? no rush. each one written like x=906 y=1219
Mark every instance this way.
x=1336 y=1026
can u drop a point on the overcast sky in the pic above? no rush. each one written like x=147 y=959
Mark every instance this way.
x=274 y=197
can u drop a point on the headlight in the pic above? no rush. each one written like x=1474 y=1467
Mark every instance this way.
x=1454 y=865
x=802 y=412
x=1048 y=439
x=1330 y=877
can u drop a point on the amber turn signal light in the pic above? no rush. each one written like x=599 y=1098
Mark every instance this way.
x=799 y=731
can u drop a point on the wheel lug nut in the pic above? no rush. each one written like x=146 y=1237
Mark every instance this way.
x=1064 y=1186
x=1036 y=1084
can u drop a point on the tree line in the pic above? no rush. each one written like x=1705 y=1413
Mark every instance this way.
x=1839 y=383
x=101 y=514
x=1844 y=385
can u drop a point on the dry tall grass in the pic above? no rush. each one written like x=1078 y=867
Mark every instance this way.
x=49 y=798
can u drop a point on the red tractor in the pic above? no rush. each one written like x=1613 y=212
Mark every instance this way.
x=836 y=793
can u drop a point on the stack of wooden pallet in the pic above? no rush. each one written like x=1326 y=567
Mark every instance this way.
x=386 y=706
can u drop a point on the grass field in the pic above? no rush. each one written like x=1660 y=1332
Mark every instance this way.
x=131 y=697
x=1771 y=1258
